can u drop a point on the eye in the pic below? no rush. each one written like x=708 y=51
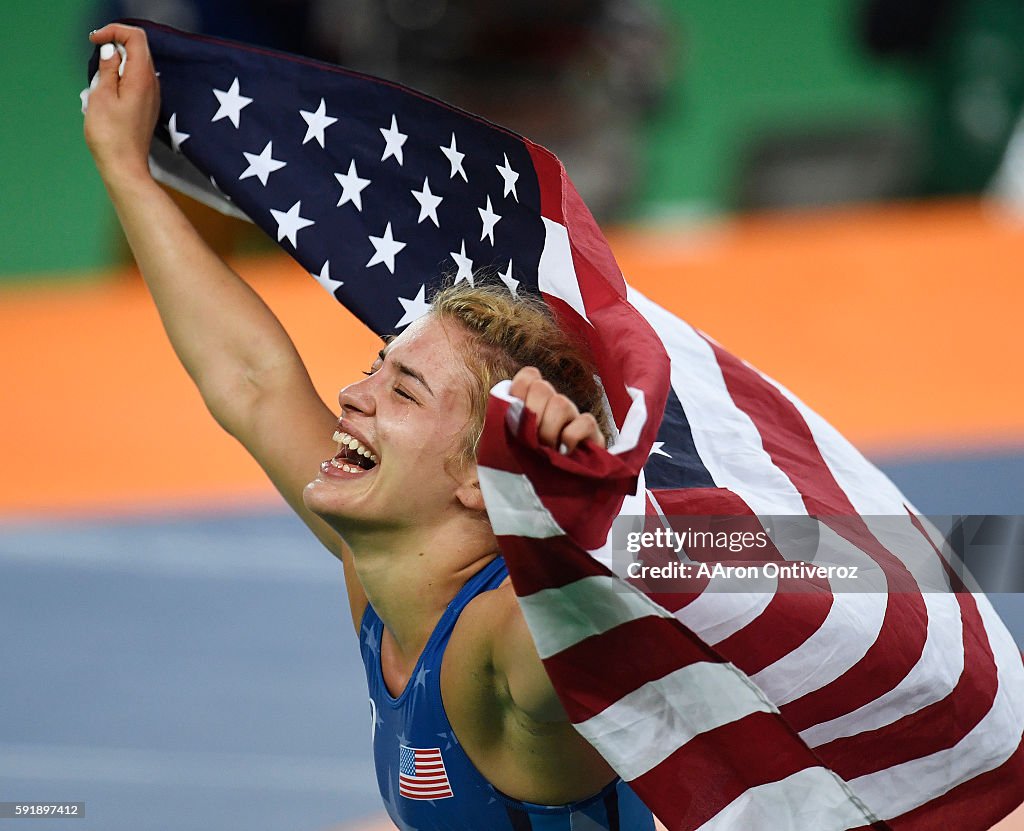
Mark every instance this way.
x=405 y=395
x=373 y=367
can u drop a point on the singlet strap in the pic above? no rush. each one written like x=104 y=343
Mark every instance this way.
x=489 y=577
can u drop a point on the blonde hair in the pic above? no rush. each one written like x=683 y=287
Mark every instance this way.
x=508 y=333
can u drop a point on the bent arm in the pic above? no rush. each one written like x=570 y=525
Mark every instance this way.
x=240 y=357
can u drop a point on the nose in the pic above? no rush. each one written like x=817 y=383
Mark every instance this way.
x=359 y=396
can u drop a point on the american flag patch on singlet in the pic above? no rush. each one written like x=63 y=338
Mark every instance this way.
x=421 y=773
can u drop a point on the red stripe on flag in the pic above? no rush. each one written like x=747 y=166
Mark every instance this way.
x=791 y=617
x=570 y=320
x=788 y=440
x=914 y=736
x=549 y=173
x=646 y=649
x=566 y=564
x=702 y=502
x=975 y=805
x=707 y=773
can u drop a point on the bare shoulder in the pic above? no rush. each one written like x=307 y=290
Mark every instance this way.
x=483 y=622
x=503 y=708
x=499 y=634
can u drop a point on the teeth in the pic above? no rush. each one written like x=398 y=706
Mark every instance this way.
x=346 y=468
x=352 y=443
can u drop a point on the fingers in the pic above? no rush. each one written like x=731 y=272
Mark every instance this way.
x=558 y=413
x=522 y=380
x=131 y=36
x=122 y=109
x=138 y=63
x=581 y=428
x=559 y=422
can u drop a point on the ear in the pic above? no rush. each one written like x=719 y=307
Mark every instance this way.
x=469 y=493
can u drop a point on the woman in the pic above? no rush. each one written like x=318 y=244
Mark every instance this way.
x=468 y=731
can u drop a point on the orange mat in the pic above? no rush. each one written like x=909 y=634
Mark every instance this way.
x=899 y=325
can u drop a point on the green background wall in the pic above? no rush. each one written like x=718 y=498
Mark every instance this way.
x=745 y=67
x=53 y=212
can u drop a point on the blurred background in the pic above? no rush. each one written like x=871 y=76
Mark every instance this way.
x=833 y=189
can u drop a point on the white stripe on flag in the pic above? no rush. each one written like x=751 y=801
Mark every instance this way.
x=932 y=678
x=632 y=425
x=514 y=507
x=869 y=490
x=556 y=274
x=726 y=439
x=645 y=727
x=562 y=617
x=851 y=626
x=633 y=505
x=938 y=668
x=813 y=799
x=514 y=413
x=715 y=615
x=992 y=741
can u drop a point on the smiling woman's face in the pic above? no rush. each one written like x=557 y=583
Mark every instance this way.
x=404 y=424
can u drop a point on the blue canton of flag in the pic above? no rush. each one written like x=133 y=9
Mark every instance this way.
x=379 y=192
x=421 y=774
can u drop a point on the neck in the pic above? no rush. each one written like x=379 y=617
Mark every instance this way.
x=410 y=576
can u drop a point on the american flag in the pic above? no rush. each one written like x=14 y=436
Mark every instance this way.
x=777 y=710
x=421 y=773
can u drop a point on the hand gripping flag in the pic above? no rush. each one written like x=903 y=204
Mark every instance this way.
x=782 y=710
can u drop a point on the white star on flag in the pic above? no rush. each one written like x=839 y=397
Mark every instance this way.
x=490 y=219
x=385 y=247
x=324 y=278
x=414 y=309
x=393 y=141
x=428 y=203
x=316 y=123
x=177 y=138
x=465 y=265
x=262 y=165
x=656 y=449
x=289 y=223
x=509 y=176
x=352 y=187
x=509 y=280
x=231 y=103
x=455 y=158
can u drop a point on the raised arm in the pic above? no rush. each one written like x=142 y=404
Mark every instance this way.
x=243 y=362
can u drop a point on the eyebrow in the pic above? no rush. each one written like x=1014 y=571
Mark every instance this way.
x=405 y=369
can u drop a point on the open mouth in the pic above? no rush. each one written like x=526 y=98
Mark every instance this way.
x=353 y=456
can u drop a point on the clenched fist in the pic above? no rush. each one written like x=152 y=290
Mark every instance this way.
x=123 y=108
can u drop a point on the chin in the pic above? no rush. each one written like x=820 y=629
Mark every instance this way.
x=317 y=496
x=332 y=507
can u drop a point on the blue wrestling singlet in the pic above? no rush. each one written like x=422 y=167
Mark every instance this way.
x=426 y=779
